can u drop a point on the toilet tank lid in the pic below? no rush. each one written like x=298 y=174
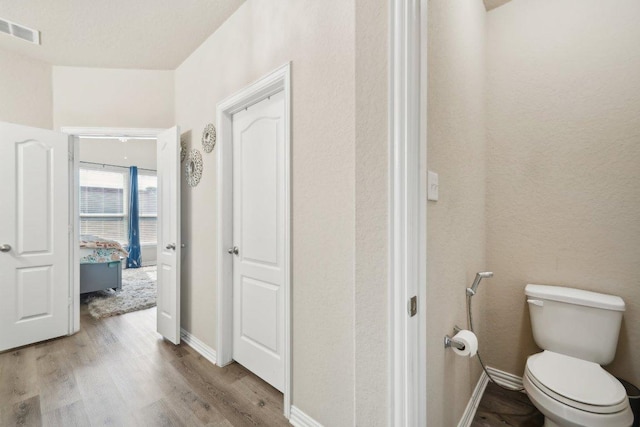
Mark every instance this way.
x=575 y=296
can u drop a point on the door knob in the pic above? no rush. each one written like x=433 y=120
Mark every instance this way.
x=234 y=250
x=5 y=248
x=171 y=246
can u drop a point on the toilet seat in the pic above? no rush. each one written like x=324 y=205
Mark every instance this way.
x=576 y=383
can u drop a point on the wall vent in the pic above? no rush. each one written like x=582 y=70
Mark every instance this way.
x=19 y=31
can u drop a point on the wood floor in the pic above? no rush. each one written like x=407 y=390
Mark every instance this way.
x=118 y=372
x=499 y=407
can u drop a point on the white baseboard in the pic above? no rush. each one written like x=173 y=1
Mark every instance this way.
x=505 y=379
x=472 y=406
x=500 y=377
x=193 y=342
x=300 y=419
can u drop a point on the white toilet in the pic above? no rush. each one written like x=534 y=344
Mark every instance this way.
x=578 y=331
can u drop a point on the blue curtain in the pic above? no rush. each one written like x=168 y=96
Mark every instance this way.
x=135 y=255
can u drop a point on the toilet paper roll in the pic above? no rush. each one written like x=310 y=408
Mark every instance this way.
x=470 y=342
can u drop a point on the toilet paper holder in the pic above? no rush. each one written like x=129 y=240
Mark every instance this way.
x=450 y=342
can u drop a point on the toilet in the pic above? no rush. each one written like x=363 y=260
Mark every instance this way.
x=578 y=332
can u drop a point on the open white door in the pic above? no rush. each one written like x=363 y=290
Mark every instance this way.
x=34 y=235
x=169 y=245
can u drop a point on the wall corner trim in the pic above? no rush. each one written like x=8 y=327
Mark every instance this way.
x=500 y=377
x=300 y=419
x=474 y=401
x=200 y=347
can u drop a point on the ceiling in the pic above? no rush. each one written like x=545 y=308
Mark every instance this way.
x=144 y=34
x=492 y=4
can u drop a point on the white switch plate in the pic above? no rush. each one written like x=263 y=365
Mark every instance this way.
x=432 y=186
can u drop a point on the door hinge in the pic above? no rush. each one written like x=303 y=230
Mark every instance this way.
x=413 y=306
x=70 y=156
x=69 y=302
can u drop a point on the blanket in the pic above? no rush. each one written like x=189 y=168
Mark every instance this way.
x=94 y=242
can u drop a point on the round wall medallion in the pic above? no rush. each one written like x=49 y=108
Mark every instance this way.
x=183 y=148
x=193 y=167
x=209 y=138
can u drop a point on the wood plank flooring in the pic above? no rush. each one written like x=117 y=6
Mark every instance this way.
x=118 y=372
x=499 y=407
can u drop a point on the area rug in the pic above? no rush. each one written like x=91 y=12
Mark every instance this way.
x=138 y=292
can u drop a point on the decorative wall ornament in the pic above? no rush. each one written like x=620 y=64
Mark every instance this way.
x=183 y=148
x=209 y=138
x=193 y=167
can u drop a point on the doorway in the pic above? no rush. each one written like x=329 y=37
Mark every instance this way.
x=105 y=211
x=254 y=230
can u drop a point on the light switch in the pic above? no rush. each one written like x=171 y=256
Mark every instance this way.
x=432 y=186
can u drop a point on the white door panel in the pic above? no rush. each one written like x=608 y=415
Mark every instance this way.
x=34 y=223
x=168 y=256
x=258 y=232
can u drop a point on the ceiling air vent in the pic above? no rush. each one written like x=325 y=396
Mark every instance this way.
x=19 y=31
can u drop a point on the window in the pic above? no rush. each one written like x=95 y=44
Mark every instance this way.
x=103 y=205
x=104 y=208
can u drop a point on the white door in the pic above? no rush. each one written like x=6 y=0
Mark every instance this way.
x=34 y=235
x=258 y=234
x=168 y=261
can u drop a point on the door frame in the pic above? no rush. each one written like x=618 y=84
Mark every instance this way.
x=407 y=212
x=74 y=204
x=274 y=82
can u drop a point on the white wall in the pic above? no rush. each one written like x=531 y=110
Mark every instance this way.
x=371 y=215
x=94 y=97
x=563 y=164
x=318 y=38
x=25 y=91
x=456 y=223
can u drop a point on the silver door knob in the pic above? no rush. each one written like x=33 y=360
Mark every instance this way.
x=5 y=248
x=171 y=246
x=234 y=250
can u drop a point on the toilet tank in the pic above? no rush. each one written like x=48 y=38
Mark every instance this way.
x=574 y=322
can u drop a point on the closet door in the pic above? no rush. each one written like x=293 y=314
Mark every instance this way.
x=259 y=230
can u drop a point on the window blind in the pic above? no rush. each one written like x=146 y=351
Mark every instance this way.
x=104 y=196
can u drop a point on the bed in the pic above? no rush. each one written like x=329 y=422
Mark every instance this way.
x=100 y=264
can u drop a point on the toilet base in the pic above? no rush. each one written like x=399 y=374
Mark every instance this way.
x=571 y=417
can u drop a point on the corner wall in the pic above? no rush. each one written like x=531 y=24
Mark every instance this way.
x=318 y=39
x=25 y=91
x=563 y=164
x=456 y=223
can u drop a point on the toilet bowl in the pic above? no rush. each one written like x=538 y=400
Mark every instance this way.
x=571 y=392
x=578 y=331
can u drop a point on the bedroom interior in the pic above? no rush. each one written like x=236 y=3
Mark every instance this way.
x=114 y=278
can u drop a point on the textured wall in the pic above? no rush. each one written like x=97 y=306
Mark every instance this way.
x=318 y=38
x=112 y=97
x=456 y=223
x=563 y=164
x=372 y=219
x=25 y=91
